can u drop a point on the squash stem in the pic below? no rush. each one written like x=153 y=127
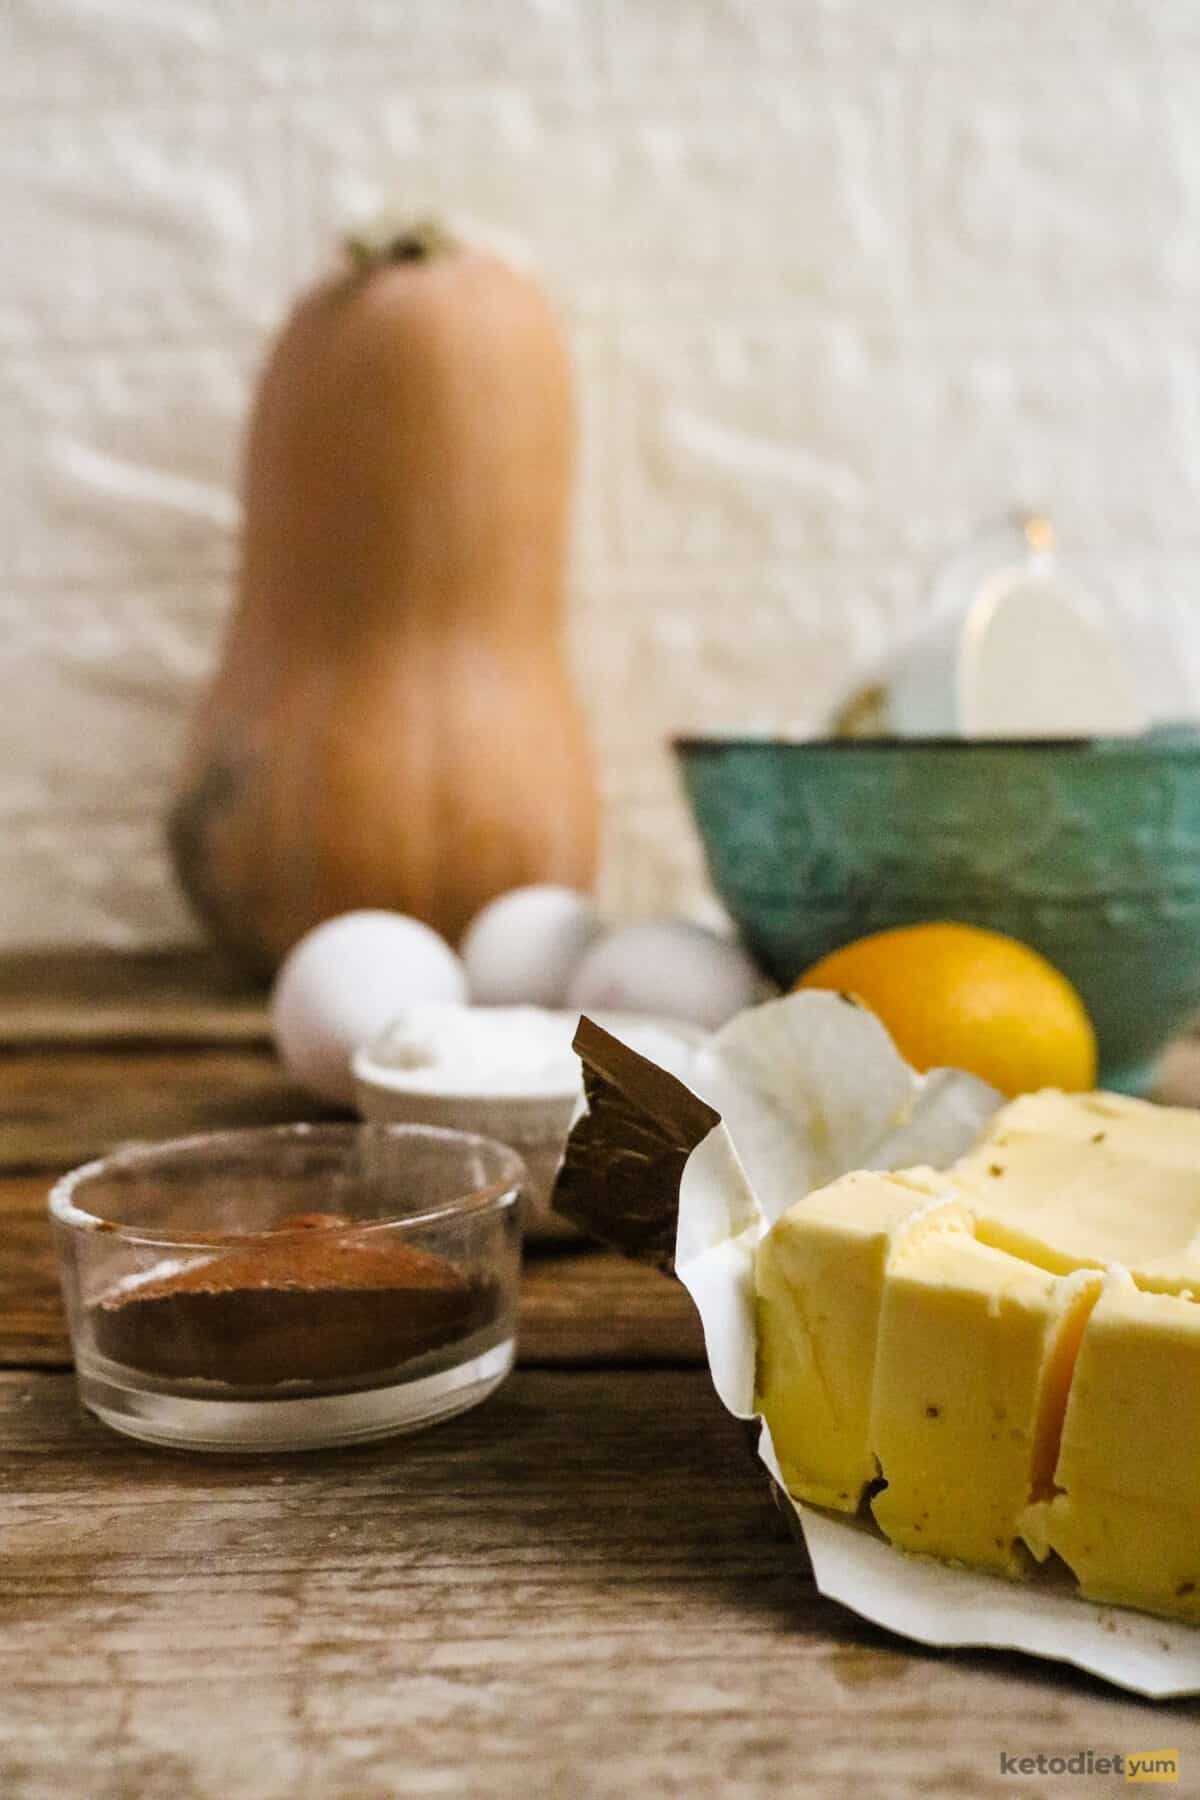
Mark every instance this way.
x=422 y=241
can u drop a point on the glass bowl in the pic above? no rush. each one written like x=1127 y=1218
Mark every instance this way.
x=294 y=1287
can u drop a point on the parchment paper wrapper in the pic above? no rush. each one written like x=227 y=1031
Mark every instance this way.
x=687 y=1169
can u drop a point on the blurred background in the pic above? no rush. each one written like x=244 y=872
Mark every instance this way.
x=843 y=281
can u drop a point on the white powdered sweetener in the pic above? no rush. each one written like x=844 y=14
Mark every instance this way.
x=495 y=1050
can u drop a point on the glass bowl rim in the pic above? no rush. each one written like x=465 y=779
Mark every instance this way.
x=495 y=1196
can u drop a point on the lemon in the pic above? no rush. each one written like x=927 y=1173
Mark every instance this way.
x=956 y=996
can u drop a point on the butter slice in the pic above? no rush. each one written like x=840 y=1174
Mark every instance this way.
x=1091 y=1180
x=1009 y=1352
x=819 y=1279
x=974 y=1358
x=1127 y=1518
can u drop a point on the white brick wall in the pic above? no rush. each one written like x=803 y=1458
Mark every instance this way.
x=844 y=277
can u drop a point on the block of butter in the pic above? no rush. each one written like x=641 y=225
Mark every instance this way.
x=1124 y=1512
x=1002 y=1360
x=820 y=1280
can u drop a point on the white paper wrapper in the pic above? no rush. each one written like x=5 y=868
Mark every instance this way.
x=810 y=1087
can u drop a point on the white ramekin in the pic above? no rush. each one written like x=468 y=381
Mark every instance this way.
x=534 y=1123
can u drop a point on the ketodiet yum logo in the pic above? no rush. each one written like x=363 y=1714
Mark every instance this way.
x=1134 y=1765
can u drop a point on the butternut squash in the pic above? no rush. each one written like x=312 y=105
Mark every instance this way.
x=392 y=723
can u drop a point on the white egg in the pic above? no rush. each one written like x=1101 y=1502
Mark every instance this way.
x=343 y=982
x=524 y=947
x=671 y=969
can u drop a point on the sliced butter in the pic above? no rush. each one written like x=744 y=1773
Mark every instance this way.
x=1091 y=1180
x=819 y=1279
x=973 y=1363
x=954 y=1335
x=1126 y=1518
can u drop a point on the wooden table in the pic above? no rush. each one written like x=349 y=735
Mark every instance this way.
x=579 y=1589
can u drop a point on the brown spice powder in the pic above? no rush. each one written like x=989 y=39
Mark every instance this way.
x=307 y=1304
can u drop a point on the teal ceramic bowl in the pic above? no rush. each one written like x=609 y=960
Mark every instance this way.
x=1088 y=850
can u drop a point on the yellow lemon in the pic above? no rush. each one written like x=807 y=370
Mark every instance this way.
x=956 y=996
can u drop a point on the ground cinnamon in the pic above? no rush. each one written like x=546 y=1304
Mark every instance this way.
x=307 y=1303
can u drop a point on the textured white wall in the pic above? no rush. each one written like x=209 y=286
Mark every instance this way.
x=844 y=279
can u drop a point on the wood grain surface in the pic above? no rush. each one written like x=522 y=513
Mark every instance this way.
x=93 y=997
x=59 y=1107
x=579 y=1589
x=33 y=1329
